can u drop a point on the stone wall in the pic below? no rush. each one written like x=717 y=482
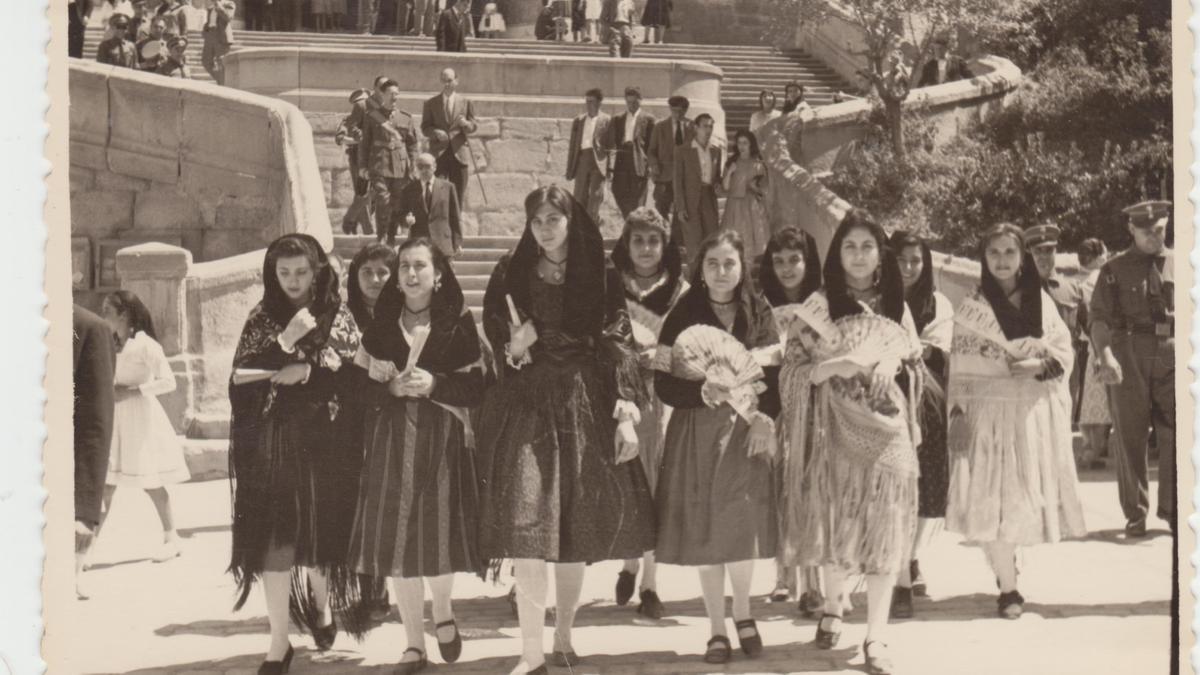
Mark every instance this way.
x=213 y=170
x=513 y=155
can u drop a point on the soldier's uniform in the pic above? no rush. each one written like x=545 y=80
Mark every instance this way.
x=117 y=51
x=1068 y=300
x=389 y=144
x=349 y=135
x=1133 y=309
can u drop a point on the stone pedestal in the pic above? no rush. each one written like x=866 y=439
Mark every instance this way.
x=156 y=273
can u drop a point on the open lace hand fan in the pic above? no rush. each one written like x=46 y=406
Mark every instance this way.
x=787 y=318
x=867 y=339
x=709 y=353
x=646 y=325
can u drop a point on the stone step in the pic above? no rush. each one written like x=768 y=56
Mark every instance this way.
x=472 y=282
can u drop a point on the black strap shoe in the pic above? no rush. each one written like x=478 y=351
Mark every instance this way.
x=651 y=607
x=625 y=585
x=453 y=649
x=718 y=650
x=751 y=645
x=827 y=638
x=407 y=667
x=325 y=636
x=902 y=603
x=1010 y=605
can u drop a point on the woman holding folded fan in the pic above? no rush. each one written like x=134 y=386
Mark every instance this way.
x=285 y=445
x=717 y=366
x=563 y=484
x=1012 y=470
x=417 y=507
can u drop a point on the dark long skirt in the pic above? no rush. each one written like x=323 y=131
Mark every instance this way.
x=554 y=490
x=932 y=455
x=418 y=504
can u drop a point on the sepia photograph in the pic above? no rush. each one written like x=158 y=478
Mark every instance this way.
x=619 y=336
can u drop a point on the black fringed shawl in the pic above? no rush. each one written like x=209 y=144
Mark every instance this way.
x=593 y=302
x=920 y=297
x=1025 y=321
x=754 y=326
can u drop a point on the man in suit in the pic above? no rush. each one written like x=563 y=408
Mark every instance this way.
x=446 y=120
x=218 y=37
x=943 y=67
x=94 y=361
x=349 y=135
x=629 y=135
x=431 y=208
x=389 y=142
x=588 y=155
x=697 y=175
x=667 y=136
x=617 y=15
x=454 y=25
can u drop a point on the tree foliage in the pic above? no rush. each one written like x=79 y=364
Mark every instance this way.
x=1087 y=134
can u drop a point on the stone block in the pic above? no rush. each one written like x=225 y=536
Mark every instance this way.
x=226 y=243
x=99 y=214
x=233 y=215
x=511 y=156
x=90 y=155
x=543 y=129
x=502 y=224
x=82 y=178
x=107 y=180
x=342 y=189
x=504 y=191
x=166 y=210
x=487 y=127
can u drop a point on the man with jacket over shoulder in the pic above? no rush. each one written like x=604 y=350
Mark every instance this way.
x=94 y=361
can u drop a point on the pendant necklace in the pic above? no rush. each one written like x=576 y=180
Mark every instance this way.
x=557 y=275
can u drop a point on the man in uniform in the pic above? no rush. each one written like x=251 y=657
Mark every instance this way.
x=1042 y=243
x=176 y=64
x=118 y=51
x=1133 y=328
x=349 y=135
x=389 y=142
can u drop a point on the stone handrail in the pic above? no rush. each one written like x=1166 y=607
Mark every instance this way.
x=213 y=169
x=500 y=85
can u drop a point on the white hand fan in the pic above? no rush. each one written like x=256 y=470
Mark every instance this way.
x=646 y=325
x=787 y=317
x=870 y=338
x=709 y=353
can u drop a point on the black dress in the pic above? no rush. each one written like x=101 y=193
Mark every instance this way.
x=657 y=13
x=553 y=490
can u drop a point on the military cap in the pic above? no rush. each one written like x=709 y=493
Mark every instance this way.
x=177 y=41
x=1148 y=213
x=1042 y=235
x=119 y=21
x=358 y=95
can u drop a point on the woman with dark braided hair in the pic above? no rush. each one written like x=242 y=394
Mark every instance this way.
x=286 y=451
x=558 y=430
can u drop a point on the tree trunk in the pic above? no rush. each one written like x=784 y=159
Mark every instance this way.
x=894 y=111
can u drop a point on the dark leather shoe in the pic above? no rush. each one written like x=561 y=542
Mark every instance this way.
x=751 y=645
x=1135 y=529
x=902 y=603
x=324 y=637
x=827 y=638
x=809 y=604
x=407 y=667
x=919 y=589
x=625 y=584
x=277 y=667
x=651 y=607
x=567 y=659
x=453 y=649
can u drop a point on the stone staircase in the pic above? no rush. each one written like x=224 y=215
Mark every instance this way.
x=747 y=69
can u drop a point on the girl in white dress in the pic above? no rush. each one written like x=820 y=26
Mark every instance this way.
x=146 y=452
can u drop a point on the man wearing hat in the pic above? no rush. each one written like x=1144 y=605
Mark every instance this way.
x=1133 y=328
x=630 y=135
x=385 y=155
x=349 y=135
x=152 y=49
x=1042 y=243
x=175 y=65
x=943 y=67
x=117 y=50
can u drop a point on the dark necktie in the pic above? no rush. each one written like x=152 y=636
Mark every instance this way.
x=678 y=134
x=428 y=197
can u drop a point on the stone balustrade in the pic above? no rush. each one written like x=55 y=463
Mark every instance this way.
x=213 y=170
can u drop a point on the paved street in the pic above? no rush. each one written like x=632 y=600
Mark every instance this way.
x=1095 y=606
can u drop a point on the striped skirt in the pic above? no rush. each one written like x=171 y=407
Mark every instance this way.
x=417 y=497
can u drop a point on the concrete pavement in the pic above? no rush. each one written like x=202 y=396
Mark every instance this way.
x=1096 y=605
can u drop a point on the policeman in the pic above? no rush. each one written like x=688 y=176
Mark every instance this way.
x=1042 y=243
x=116 y=50
x=349 y=135
x=389 y=143
x=1133 y=328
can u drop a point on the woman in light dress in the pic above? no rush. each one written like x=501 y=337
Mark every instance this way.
x=591 y=15
x=1012 y=472
x=745 y=185
x=146 y=452
x=766 y=110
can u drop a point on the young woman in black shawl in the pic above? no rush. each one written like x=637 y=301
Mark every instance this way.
x=851 y=472
x=558 y=429
x=716 y=491
x=934 y=318
x=286 y=454
x=651 y=268
x=416 y=518
x=788 y=272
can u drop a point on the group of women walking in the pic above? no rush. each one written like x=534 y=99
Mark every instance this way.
x=613 y=410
